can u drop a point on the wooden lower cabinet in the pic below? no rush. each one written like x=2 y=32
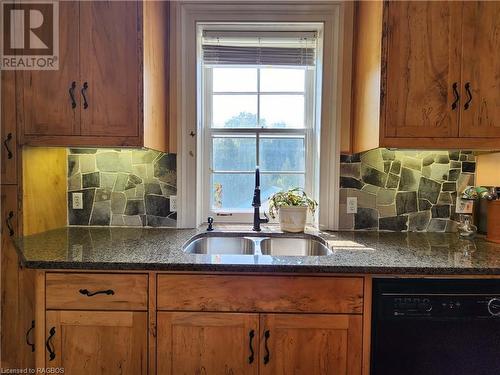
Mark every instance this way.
x=269 y=344
x=310 y=344
x=207 y=343
x=256 y=332
x=97 y=342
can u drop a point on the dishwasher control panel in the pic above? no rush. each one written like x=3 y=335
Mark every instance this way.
x=449 y=306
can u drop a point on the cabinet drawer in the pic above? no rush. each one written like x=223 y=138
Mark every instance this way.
x=94 y=291
x=260 y=293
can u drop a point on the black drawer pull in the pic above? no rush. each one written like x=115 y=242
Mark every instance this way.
x=6 y=142
x=266 y=357
x=83 y=91
x=87 y=293
x=8 y=221
x=28 y=336
x=50 y=346
x=72 y=94
x=469 y=96
x=457 y=96
x=251 y=335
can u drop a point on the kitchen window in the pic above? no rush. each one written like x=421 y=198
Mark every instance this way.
x=258 y=93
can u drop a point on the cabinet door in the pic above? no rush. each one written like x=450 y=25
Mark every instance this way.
x=10 y=321
x=310 y=344
x=109 y=64
x=207 y=343
x=422 y=67
x=480 y=70
x=47 y=104
x=8 y=155
x=93 y=342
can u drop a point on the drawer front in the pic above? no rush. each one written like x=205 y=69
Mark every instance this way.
x=260 y=293
x=95 y=291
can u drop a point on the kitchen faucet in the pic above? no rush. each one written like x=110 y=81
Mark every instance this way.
x=257 y=220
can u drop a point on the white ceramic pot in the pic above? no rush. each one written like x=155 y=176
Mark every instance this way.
x=293 y=219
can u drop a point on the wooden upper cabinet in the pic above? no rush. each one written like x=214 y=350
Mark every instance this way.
x=8 y=157
x=310 y=344
x=48 y=108
x=481 y=70
x=417 y=64
x=207 y=343
x=99 y=343
x=109 y=68
x=115 y=53
x=423 y=66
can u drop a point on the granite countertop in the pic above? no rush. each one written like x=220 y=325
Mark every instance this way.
x=104 y=248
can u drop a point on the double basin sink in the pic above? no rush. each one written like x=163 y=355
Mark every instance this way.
x=229 y=244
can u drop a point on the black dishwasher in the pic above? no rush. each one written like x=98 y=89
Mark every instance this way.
x=435 y=327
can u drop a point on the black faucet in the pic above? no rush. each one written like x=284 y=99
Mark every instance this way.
x=257 y=220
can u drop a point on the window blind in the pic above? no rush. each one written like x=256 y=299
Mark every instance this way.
x=286 y=48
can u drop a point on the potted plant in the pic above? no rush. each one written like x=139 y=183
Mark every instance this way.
x=291 y=206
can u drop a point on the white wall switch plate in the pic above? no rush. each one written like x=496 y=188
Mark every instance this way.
x=352 y=205
x=77 y=201
x=173 y=203
x=464 y=206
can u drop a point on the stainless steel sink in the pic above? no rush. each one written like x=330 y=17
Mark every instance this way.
x=221 y=245
x=257 y=245
x=282 y=246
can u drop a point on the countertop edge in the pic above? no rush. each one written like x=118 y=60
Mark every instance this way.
x=307 y=269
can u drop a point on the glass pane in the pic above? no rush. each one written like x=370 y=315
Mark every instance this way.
x=232 y=191
x=282 y=111
x=272 y=183
x=282 y=154
x=234 y=111
x=235 y=80
x=234 y=154
x=282 y=80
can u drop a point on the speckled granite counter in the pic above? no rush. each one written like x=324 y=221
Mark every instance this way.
x=99 y=248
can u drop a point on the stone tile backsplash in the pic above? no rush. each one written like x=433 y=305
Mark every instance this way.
x=404 y=190
x=122 y=187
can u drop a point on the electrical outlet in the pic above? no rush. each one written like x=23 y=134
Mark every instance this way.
x=173 y=203
x=464 y=206
x=77 y=201
x=352 y=205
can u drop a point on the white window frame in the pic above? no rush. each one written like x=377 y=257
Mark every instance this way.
x=310 y=132
x=335 y=106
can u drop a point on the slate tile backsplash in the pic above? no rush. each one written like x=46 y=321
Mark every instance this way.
x=404 y=190
x=122 y=187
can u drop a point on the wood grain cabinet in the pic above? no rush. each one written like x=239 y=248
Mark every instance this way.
x=8 y=156
x=273 y=325
x=111 y=86
x=208 y=343
x=96 y=342
x=310 y=344
x=212 y=324
x=17 y=300
x=426 y=75
x=274 y=344
x=96 y=323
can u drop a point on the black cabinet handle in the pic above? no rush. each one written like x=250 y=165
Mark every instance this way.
x=251 y=335
x=83 y=91
x=457 y=96
x=266 y=336
x=28 y=336
x=6 y=142
x=50 y=346
x=8 y=221
x=87 y=293
x=72 y=94
x=469 y=96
